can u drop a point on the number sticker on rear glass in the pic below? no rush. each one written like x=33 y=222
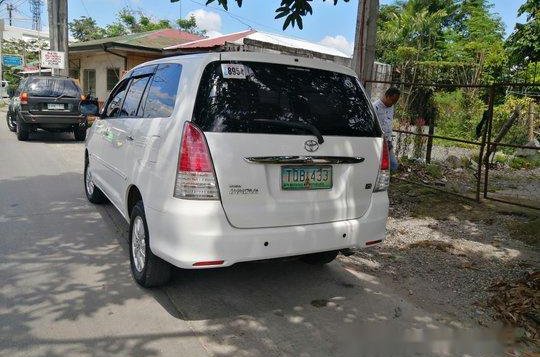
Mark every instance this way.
x=233 y=70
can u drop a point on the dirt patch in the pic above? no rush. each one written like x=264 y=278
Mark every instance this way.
x=445 y=253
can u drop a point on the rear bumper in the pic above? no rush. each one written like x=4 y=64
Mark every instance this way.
x=186 y=232
x=58 y=119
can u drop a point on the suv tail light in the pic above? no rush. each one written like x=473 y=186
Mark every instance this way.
x=23 y=97
x=195 y=177
x=383 y=178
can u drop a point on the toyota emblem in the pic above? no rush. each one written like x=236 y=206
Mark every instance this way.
x=311 y=145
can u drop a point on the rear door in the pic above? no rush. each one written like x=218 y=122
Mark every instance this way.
x=53 y=96
x=263 y=123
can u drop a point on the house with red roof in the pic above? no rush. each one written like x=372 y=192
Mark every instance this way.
x=99 y=64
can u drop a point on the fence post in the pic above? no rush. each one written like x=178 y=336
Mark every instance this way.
x=481 y=161
x=430 y=140
x=488 y=141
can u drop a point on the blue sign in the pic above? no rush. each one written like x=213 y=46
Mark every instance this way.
x=12 y=60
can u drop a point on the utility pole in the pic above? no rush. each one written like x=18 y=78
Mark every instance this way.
x=10 y=8
x=365 y=39
x=58 y=30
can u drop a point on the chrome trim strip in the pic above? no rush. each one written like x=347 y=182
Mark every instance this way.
x=278 y=160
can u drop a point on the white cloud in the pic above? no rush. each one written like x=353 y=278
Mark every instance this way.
x=207 y=20
x=338 y=42
x=211 y=34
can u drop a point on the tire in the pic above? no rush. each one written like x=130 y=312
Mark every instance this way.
x=12 y=126
x=320 y=258
x=93 y=193
x=80 y=133
x=148 y=270
x=23 y=132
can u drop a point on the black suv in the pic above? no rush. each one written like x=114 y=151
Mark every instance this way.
x=48 y=103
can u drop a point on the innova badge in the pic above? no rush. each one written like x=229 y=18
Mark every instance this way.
x=311 y=145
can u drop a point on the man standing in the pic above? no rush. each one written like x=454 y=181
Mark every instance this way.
x=384 y=108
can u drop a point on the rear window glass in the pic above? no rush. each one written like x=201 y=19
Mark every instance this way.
x=52 y=87
x=257 y=97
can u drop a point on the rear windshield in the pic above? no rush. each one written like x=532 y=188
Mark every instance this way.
x=254 y=97
x=52 y=87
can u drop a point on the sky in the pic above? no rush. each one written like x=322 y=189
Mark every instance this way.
x=329 y=25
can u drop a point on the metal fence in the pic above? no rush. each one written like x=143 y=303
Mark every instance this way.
x=463 y=139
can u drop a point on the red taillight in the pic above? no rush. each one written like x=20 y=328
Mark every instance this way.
x=23 y=97
x=383 y=178
x=194 y=155
x=208 y=263
x=195 y=178
x=385 y=159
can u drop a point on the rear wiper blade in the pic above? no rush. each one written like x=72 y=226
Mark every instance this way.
x=295 y=124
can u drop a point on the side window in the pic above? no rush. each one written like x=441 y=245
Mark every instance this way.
x=162 y=92
x=133 y=96
x=116 y=100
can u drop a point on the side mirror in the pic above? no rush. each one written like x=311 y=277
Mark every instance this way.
x=89 y=107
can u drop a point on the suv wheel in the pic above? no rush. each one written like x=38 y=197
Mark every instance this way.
x=10 y=122
x=320 y=258
x=147 y=269
x=22 y=130
x=93 y=193
x=80 y=133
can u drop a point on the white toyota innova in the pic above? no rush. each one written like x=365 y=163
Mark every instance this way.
x=220 y=158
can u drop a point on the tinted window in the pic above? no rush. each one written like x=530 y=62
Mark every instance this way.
x=332 y=102
x=162 y=91
x=133 y=96
x=116 y=99
x=52 y=87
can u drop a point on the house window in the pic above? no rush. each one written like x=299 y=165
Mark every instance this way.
x=89 y=81
x=113 y=76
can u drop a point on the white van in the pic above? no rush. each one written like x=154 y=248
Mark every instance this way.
x=220 y=158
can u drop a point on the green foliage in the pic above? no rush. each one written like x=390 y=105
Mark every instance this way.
x=528 y=163
x=85 y=29
x=29 y=50
x=434 y=171
x=518 y=132
x=292 y=10
x=458 y=113
x=524 y=43
x=128 y=21
x=464 y=35
x=190 y=25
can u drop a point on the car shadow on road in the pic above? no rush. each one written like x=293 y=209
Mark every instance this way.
x=52 y=137
x=65 y=262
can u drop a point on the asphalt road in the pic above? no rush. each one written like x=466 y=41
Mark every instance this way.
x=66 y=288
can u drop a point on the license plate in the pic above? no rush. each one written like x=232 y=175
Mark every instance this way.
x=55 y=106
x=306 y=177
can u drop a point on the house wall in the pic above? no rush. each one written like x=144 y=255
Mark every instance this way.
x=100 y=62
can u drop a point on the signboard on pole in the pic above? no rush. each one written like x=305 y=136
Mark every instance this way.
x=53 y=59
x=12 y=60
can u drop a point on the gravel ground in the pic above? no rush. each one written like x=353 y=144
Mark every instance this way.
x=444 y=252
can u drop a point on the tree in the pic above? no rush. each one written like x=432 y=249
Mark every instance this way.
x=292 y=10
x=128 y=21
x=190 y=25
x=524 y=43
x=86 y=29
